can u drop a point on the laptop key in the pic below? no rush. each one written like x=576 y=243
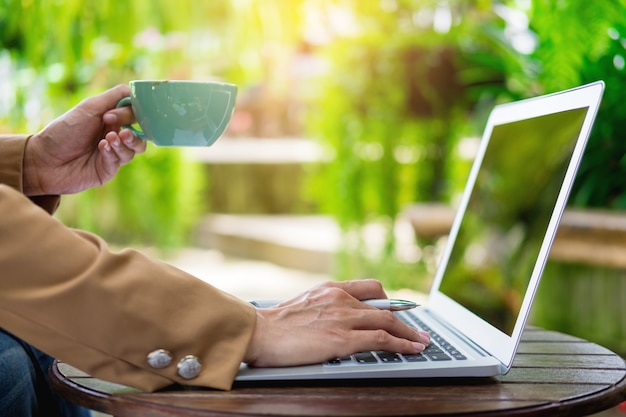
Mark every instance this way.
x=339 y=361
x=457 y=355
x=415 y=358
x=388 y=357
x=438 y=356
x=365 y=357
x=432 y=349
x=435 y=352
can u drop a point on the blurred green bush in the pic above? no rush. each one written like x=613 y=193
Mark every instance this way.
x=403 y=93
x=407 y=81
x=55 y=53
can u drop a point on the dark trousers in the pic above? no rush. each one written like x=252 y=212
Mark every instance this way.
x=24 y=388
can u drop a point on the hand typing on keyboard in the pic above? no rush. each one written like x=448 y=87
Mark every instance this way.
x=327 y=322
x=439 y=349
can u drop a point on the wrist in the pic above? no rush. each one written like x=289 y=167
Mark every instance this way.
x=31 y=184
x=254 y=346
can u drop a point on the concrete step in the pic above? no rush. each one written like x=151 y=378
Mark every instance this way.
x=304 y=242
x=260 y=176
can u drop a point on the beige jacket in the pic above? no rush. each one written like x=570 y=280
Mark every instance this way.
x=65 y=292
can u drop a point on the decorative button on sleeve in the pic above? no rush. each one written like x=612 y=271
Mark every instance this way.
x=159 y=358
x=189 y=367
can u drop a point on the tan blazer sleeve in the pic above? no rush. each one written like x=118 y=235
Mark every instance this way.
x=11 y=159
x=65 y=292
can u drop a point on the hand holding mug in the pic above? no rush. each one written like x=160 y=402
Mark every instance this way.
x=82 y=148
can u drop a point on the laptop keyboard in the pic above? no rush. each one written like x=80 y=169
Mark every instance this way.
x=438 y=350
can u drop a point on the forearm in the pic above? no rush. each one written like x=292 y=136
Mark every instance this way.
x=64 y=292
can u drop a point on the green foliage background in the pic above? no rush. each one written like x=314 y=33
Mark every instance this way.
x=401 y=91
x=402 y=95
x=55 y=53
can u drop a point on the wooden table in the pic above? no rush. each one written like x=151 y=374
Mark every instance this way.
x=553 y=375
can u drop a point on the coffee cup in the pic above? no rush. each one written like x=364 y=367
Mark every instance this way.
x=180 y=113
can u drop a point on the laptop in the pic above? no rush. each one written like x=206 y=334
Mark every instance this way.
x=496 y=251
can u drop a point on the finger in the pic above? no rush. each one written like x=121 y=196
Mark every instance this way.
x=105 y=101
x=115 y=118
x=368 y=340
x=363 y=289
x=110 y=162
x=132 y=141
x=374 y=319
x=424 y=337
x=386 y=321
x=124 y=153
x=112 y=96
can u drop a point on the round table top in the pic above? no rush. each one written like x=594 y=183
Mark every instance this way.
x=553 y=374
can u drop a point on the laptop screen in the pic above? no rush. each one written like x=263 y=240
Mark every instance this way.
x=508 y=213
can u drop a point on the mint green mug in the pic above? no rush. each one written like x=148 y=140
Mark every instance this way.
x=180 y=113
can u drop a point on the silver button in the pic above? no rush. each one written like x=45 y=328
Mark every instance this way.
x=159 y=359
x=189 y=367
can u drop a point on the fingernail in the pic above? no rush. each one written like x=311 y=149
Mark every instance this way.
x=107 y=147
x=109 y=118
x=418 y=347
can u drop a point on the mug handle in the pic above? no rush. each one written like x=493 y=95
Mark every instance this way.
x=126 y=102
